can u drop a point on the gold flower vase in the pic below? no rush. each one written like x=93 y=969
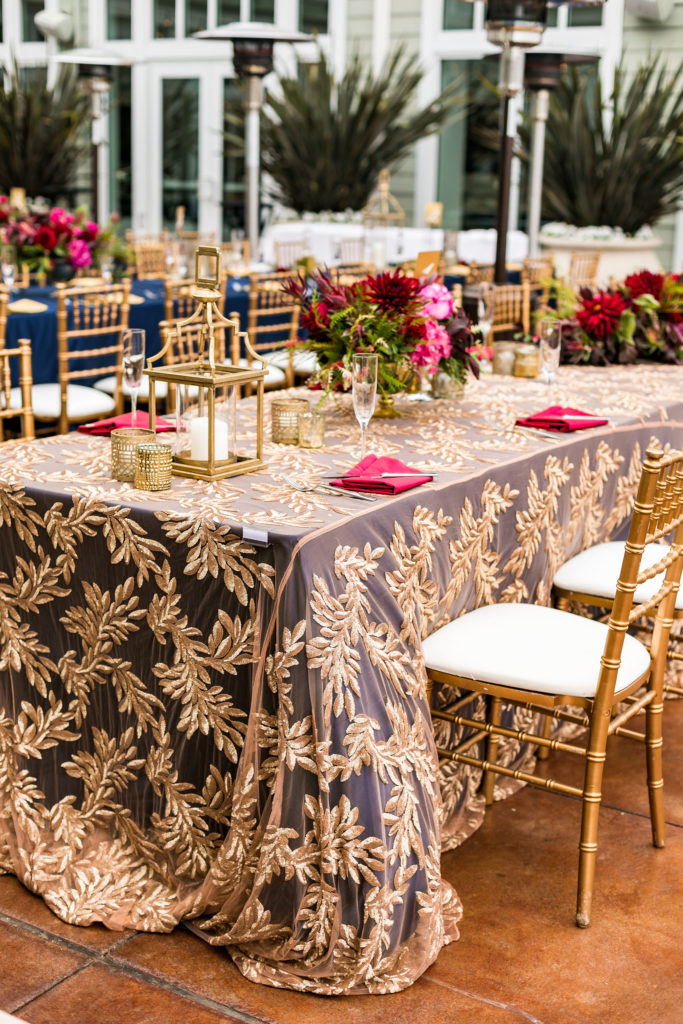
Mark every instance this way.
x=386 y=410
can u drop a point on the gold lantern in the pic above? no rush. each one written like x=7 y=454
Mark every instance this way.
x=206 y=392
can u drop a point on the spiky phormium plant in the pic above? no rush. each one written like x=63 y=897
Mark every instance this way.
x=324 y=142
x=618 y=163
x=40 y=144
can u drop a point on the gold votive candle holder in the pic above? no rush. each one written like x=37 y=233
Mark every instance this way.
x=311 y=429
x=504 y=353
x=527 y=361
x=284 y=419
x=153 y=463
x=124 y=444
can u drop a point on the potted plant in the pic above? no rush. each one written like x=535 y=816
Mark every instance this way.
x=612 y=169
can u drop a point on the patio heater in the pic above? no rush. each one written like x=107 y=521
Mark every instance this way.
x=253 y=43
x=95 y=76
x=515 y=26
x=542 y=75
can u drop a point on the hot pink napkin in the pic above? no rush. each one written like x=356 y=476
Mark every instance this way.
x=366 y=476
x=561 y=418
x=105 y=427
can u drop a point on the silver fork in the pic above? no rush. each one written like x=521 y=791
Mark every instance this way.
x=328 y=489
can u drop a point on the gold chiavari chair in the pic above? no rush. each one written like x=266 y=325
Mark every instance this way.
x=480 y=273
x=15 y=401
x=287 y=253
x=150 y=259
x=512 y=310
x=90 y=323
x=553 y=662
x=178 y=300
x=538 y=272
x=272 y=325
x=236 y=255
x=583 y=270
x=348 y=275
x=182 y=347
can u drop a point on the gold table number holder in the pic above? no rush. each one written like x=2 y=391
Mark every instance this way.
x=206 y=391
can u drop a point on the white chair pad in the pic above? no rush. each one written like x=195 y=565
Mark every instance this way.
x=304 y=363
x=275 y=377
x=530 y=647
x=108 y=385
x=596 y=570
x=81 y=402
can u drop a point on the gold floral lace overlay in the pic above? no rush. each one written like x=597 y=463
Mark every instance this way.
x=195 y=728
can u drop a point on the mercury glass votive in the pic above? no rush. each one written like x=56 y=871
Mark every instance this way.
x=153 y=464
x=284 y=417
x=311 y=429
x=124 y=443
x=527 y=361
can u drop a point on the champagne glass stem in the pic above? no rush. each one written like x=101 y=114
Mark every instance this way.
x=363 y=429
x=133 y=403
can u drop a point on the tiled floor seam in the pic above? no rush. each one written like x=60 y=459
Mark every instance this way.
x=49 y=986
x=529 y=1017
x=59 y=940
x=184 y=993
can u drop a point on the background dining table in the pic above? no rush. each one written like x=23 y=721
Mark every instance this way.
x=146 y=311
x=212 y=699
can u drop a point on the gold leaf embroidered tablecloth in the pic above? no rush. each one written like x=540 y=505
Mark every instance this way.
x=195 y=727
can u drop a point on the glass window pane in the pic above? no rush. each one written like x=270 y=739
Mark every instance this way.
x=263 y=10
x=468 y=149
x=313 y=16
x=458 y=14
x=551 y=17
x=228 y=10
x=118 y=19
x=234 y=186
x=195 y=16
x=164 y=19
x=29 y=32
x=1 y=35
x=578 y=17
x=120 y=146
x=180 y=142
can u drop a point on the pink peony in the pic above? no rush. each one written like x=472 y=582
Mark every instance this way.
x=79 y=254
x=435 y=347
x=438 y=301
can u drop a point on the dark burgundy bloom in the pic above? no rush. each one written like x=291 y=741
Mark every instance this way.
x=390 y=291
x=645 y=283
x=45 y=238
x=599 y=314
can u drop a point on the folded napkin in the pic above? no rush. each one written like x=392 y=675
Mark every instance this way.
x=366 y=476
x=561 y=418
x=26 y=306
x=105 y=427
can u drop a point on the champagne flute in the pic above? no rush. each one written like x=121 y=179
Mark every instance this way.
x=486 y=306
x=550 y=334
x=364 y=384
x=8 y=266
x=133 y=363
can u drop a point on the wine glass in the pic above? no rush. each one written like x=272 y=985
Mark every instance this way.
x=486 y=306
x=364 y=378
x=8 y=266
x=133 y=362
x=550 y=334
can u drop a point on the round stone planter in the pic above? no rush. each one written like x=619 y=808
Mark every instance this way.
x=618 y=257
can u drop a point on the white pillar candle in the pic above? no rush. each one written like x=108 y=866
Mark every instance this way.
x=199 y=439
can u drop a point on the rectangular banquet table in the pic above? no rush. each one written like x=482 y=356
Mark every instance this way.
x=212 y=700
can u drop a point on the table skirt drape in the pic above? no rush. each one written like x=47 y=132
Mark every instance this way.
x=198 y=728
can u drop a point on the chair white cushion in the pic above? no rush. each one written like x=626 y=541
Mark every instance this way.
x=532 y=648
x=108 y=385
x=275 y=378
x=304 y=363
x=596 y=570
x=81 y=402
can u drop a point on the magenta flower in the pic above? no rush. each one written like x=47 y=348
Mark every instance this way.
x=438 y=301
x=79 y=253
x=435 y=347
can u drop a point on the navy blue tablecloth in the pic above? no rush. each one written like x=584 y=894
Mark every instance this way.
x=41 y=328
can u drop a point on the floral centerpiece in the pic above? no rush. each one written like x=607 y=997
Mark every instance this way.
x=641 y=318
x=46 y=237
x=410 y=323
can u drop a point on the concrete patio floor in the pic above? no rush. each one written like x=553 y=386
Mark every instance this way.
x=520 y=957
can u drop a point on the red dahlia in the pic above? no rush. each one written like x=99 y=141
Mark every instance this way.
x=599 y=314
x=390 y=291
x=645 y=283
x=45 y=238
